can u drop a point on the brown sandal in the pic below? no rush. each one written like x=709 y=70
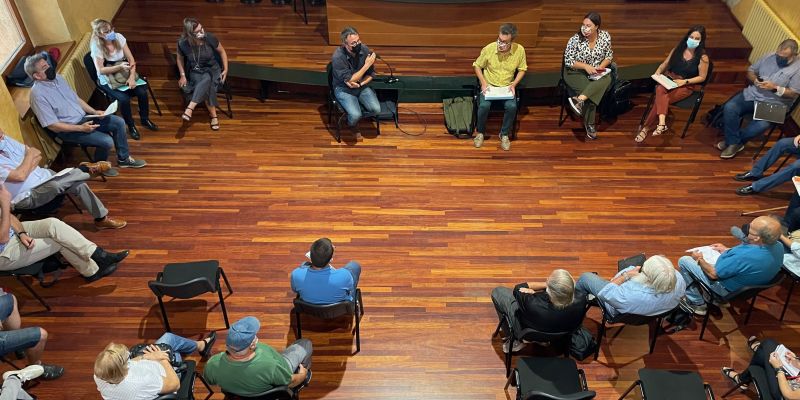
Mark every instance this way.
x=214 y=125
x=641 y=136
x=660 y=129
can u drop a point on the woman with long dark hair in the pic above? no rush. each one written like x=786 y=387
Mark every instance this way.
x=687 y=66
x=588 y=52
x=198 y=51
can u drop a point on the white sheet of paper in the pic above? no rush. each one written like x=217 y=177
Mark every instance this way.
x=796 y=182
x=664 y=81
x=791 y=369
x=112 y=108
x=59 y=173
x=599 y=75
x=709 y=254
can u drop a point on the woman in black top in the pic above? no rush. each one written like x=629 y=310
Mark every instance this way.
x=687 y=66
x=199 y=58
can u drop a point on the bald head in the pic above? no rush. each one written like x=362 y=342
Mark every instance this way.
x=768 y=230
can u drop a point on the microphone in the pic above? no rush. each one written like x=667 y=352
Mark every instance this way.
x=391 y=78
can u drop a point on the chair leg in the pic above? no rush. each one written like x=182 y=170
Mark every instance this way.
x=656 y=331
x=692 y=116
x=509 y=355
x=633 y=385
x=601 y=331
x=222 y=304
x=339 y=128
x=705 y=322
x=496 y=331
x=360 y=302
x=299 y=332
x=203 y=380
x=358 y=331
x=750 y=309
x=225 y=278
x=728 y=393
x=9 y=362
x=153 y=96
x=378 y=125
x=764 y=142
x=164 y=314
x=647 y=109
x=32 y=292
x=71 y=200
x=788 y=297
x=305 y=15
x=785 y=159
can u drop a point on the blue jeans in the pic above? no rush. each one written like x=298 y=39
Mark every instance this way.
x=349 y=99
x=591 y=283
x=732 y=114
x=110 y=133
x=693 y=295
x=510 y=114
x=355 y=270
x=180 y=345
x=782 y=147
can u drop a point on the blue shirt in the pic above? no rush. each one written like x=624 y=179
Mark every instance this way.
x=749 y=264
x=632 y=297
x=767 y=69
x=55 y=101
x=322 y=285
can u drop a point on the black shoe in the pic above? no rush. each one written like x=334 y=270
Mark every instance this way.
x=591 y=132
x=104 y=258
x=746 y=176
x=102 y=272
x=149 y=125
x=210 y=340
x=134 y=132
x=745 y=190
x=52 y=372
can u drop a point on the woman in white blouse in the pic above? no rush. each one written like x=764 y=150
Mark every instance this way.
x=113 y=60
x=586 y=58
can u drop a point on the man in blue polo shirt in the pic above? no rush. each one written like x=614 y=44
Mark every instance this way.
x=318 y=282
x=754 y=262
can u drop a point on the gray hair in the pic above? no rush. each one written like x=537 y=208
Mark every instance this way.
x=347 y=31
x=30 y=63
x=509 y=29
x=770 y=231
x=788 y=44
x=560 y=288
x=658 y=273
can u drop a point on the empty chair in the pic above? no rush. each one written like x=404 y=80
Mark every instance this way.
x=331 y=311
x=657 y=384
x=549 y=378
x=276 y=393
x=189 y=280
x=37 y=270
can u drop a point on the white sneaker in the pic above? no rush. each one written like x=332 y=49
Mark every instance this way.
x=30 y=372
x=478 y=140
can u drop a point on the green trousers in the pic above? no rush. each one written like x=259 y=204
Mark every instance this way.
x=594 y=90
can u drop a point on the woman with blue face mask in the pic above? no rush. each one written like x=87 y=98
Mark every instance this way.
x=116 y=74
x=687 y=66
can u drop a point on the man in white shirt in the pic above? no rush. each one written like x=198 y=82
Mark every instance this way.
x=32 y=187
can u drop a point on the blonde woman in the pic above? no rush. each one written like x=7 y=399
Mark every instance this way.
x=547 y=306
x=148 y=376
x=114 y=61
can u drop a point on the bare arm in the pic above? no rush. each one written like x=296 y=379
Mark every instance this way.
x=537 y=285
x=87 y=108
x=481 y=78
x=29 y=163
x=171 y=382
x=224 y=57
x=663 y=67
x=751 y=76
x=708 y=269
x=5 y=214
x=518 y=79
x=112 y=69
x=65 y=127
x=129 y=56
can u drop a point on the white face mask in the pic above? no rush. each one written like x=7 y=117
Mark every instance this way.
x=200 y=34
x=586 y=30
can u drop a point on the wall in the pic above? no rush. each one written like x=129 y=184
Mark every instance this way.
x=9 y=118
x=787 y=10
x=77 y=19
x=58 y=21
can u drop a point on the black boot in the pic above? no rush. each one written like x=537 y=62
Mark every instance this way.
x=147 y=123
x=134 y=132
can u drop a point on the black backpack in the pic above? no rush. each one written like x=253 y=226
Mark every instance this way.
x=714 y=117
x=18 y=77
x=582 y=344
x=618 y=99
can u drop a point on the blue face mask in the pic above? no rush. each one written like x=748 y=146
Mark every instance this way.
x=692 y=43
x=110 y=36
x=782 y=61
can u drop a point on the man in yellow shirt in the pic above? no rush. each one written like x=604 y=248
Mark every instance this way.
x=496 y=66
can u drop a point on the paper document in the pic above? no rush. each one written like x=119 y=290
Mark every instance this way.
x=112 y=108
x=791 y=369
x=601 y=72
x=139 y=82
x=664 y=81
x=498 y=93
x=59 y=174
x=709 y=254
x=796 y=182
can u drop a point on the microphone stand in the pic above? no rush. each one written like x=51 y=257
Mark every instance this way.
x=391 y=79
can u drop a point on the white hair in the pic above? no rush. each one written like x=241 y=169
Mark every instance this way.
x=658 y=273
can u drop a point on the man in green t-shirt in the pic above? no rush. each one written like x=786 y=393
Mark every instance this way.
x=248 y=368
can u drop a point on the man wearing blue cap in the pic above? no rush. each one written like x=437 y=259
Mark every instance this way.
x=248 y=368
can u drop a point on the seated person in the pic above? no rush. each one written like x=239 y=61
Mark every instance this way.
x=31 y=340
x=198 y=51
x=318 y=282
x=754 y=262
x=108 y=49
x=776 y=79
x=120 y=377
x=586 y=52
x=650 y=289
x=13 y=380
x=781 y=384
x=24 y=243
x=59 y=109
x=548 y=306
x=762 y=183
x=687 y=66
x=248 y=368
x=496 y=66
x=352 y=65
x=32 y=187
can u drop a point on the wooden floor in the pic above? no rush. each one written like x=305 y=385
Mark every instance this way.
x=435 y=222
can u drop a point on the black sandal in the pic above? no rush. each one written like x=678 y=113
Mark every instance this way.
x=210 y=339
x=753 y=343
x=214 y=126
x=728 y=373
x=187 y=117
x=660 y=129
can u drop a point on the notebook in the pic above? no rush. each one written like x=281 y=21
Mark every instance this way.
x=664 y=81
x=633 y=261
x=772 y=112
x=498 y=93
x=601 y=72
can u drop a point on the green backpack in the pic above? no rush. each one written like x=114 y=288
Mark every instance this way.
x=459 y=116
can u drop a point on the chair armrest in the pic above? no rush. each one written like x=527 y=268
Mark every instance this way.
x=585 y=395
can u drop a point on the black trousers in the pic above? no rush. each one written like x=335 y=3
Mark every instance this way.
x=124 y=99
x=761 y=359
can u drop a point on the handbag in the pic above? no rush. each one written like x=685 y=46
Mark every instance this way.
x=120 y=78
x=582 y=344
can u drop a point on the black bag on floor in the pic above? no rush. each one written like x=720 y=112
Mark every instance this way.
x=714 y=117
x=678 y=320
x=459 y=116
x=617 y=100
x=582 y=344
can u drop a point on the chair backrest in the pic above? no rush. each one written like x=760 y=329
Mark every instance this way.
x=276 y=393
x=329 y=72
x=753 y=290
x=88 y=62
x=708 y=74
x=629 y=319
x=186 y=388
x=325 y=311
x=537 y=395
x=183 y=290
x=760 y=382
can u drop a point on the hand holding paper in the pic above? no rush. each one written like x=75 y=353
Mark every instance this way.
x=710 y=255
x=112 y=108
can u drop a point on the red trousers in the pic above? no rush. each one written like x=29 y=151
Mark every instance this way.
x=664 y=98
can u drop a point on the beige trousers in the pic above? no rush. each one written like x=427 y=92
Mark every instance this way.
x=50 y=235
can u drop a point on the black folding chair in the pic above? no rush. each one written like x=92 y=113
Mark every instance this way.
x=186 y=389
x=565 y=92
x=693 y=101
x=225 y=89
x=652 y=321
x=497 y=107
x=658 y=384
x=294 y=9
x=67 y=147
x=331 y=311
x=88 y=62
x=36 y=270
x=189 y=280
x=555 y=339
x=276 y=393
x=549 y=378
x=794 y=279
